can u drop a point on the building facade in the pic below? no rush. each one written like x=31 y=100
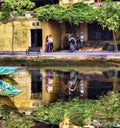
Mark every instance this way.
x=29 y=32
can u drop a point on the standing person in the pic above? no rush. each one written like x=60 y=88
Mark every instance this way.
x=50 y=40
x=72 y=44
x=81 y=39
x=47 y=44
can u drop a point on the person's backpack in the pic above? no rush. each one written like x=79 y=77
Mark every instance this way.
x=72 y=41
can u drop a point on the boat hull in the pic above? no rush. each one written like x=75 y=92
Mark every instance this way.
x=7 y=70
x=8 y=90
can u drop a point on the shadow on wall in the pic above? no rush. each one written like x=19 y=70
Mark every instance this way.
x=111 y=47
x=66 y=44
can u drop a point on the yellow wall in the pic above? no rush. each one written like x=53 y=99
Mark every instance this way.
x=51 y=29
x=22 y=36
x=70 y=2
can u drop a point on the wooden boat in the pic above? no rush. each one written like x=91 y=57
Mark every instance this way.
x=7 y=89
x=5 y=70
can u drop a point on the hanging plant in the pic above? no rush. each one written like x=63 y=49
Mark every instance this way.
x=79 y=12
x=49 y=12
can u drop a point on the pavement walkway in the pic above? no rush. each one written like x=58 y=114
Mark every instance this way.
x=101 y=54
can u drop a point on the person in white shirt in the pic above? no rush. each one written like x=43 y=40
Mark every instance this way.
x=50 y=40
x=81 y=40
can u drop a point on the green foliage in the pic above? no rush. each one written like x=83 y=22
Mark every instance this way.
x=83 y=12
x=5 y=17
x=13 y=119
x=17 y=121
x=12 y=8
x=80 y=112
x=54 y=113
x=47 y=12
x=107 y=110
x=109 y=16
x=78 y=13
x=4 y=114
x=50 y=114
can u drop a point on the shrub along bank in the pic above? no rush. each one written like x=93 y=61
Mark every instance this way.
x=80 y=112
x=53 y=61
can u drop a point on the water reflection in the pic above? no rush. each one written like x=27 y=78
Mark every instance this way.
x=76 y=83
x=49 y=80
x=43 y=86
x=36 y=84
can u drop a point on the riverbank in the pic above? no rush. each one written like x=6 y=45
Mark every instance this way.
x=60 y=59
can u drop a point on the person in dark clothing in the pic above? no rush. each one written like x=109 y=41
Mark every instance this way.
x=50 y=40
x=72 y=44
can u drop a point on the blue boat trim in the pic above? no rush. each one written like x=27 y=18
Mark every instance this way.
x=7 y=89
x=7 y=70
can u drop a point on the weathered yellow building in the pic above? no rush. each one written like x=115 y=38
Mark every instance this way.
x=29 y=32
x=32 y=33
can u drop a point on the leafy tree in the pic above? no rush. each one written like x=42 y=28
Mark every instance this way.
x=80 y=12
x=77 y=13
x=47 y=12
x=11 y=9
x=109 y=17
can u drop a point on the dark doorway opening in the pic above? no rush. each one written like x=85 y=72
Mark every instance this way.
x=36 y=84
x=36 y=37
x=70 y=28
x=36 y=81
x=96 y=33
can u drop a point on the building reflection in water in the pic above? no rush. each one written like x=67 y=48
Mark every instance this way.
x=43 y=86
x=36 y=81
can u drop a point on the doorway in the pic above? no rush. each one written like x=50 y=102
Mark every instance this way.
x=36 y=37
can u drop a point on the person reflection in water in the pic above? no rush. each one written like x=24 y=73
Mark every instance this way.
x=76 y=79
x=81 y=85
x=49 y=78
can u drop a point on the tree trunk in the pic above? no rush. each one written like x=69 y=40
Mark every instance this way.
x=116 y=47
x=13 y=37
x=115 y=80
x=60 y=42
